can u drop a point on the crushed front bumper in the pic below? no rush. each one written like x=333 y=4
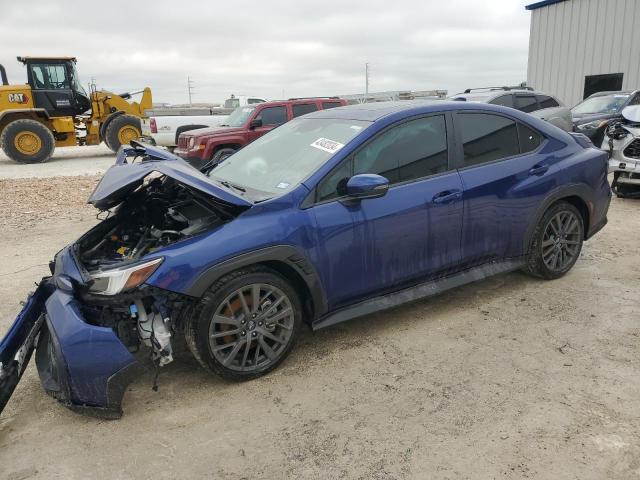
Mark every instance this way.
x=86 y=367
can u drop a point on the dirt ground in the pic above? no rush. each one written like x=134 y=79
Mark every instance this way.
x=511 y=377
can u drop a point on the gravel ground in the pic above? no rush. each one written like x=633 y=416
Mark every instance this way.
x=66 y=161
x=511 y=377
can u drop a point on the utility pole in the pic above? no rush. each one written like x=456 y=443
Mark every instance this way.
x=366 y=82
x=189 y=87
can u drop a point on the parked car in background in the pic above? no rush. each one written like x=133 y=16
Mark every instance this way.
x=540 y=105
x=243 y=126
x=622 y=141
x=332 y=216
x=163 y=126
x=591 y=116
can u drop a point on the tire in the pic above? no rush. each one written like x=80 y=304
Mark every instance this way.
x=224 y=341
x=121 y=130
x=27 y=141
x=222 y=154
x=556 y=242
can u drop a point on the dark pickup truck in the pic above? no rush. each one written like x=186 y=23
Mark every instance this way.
x=243 y=126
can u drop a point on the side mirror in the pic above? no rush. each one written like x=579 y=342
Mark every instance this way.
x=255 y=123
x=367 y=185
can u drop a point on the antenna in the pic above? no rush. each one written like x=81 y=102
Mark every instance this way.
x=190 y=87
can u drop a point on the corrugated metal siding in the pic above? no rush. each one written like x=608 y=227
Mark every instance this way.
x=575 y=38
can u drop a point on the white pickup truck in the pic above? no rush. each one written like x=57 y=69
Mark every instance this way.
x=163 y=126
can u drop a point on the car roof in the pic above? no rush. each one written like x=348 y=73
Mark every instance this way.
x=295 y=101
x=494 y=93
x=371 y=112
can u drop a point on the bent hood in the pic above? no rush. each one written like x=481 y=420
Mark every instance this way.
x=123 y=178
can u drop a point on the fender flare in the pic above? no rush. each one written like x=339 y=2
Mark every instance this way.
x=187 y=128
x=37 y=111
x=289 y=255
x=215 y=143
x=105 y=124
x=574 y=190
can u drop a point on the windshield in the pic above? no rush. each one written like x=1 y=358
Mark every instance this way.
x=280 y=160
x=603 y=104
x=238 y=117
x=75 y=82
x=231 y=103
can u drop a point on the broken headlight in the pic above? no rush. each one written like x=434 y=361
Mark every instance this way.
x=114 y=281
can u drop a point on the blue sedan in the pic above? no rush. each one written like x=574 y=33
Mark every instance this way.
x=334 y=215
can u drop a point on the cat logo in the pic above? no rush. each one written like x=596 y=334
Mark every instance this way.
x=18 y=98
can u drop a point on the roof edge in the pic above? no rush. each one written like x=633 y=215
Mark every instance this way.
x=543 y=3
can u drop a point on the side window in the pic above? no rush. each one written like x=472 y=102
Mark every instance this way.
x=412 y=150
x=526 y=103
x=303 y=108
x=49 y=77
x=334 y=185
x=487 y=137
x=547 y=102
x=504 y=100
x=529 y=138
x=253 y=101
x=273 y=115
x=635 y=100
x=326 y=105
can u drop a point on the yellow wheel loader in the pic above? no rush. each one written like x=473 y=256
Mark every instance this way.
x=53 y=110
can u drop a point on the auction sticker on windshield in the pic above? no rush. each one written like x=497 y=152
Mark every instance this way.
x=327 y=145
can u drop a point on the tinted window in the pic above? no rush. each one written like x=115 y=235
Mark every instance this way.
x=334 y=185
x=529 y=139
x=326 y=105
x=409 y=151
x=487 y=137
x=547 y=101
x=526 y=103
x=504 y=100
x=301 y=109
x=273 y=115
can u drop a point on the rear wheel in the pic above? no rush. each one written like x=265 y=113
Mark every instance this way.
x=246 y=324
x=121 y=130
x=556 y=243
x=27 y=141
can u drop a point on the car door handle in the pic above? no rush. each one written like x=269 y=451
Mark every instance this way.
x=447 y=196
x=538 y=170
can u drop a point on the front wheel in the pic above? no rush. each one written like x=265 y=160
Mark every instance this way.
x=27 y=141
x=222 y=154
x=246 y=324
x=121 y=130
x=556 y=243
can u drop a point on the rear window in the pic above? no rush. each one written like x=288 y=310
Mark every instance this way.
x=529 y=138
x=526 y=103
x=547 y=102
x=504 y=100
x=326 y=105
x=304 y=108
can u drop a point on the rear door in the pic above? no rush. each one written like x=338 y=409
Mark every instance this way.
x=504 y=178
x=413 y=232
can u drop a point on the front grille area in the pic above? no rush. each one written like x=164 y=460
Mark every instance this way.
x=633 y=149
x=182 y=142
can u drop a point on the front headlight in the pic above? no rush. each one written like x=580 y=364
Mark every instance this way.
x=112 y=282
x=591 y=125
x=192 y=141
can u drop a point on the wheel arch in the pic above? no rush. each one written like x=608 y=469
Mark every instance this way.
x=8 y=116
x=213 y=147
x=105 y=124
x=576 y=195
x=286 y=260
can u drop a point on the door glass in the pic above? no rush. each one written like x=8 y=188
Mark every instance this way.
x=487 y=137
x=327 y=105
x=49 y=77
x=413 y=150
x=334 y=185
x=302 y=109
x=504 y=100
x=273 y=116
x=526 y=103
x=529 y=138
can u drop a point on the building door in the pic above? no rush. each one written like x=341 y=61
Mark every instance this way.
x=602 y=83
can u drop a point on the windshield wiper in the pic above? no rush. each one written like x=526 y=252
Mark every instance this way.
x=231 y=185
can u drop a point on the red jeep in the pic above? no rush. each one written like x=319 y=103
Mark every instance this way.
x=243 y=126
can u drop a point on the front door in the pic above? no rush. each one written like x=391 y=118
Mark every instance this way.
x=270 y=118
x=412 y=233
x=51 y=87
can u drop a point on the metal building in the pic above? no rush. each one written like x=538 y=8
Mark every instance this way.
x=579 y=47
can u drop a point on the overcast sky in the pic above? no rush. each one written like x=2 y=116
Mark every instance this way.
x=273 y=48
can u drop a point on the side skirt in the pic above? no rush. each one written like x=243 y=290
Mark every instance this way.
x=417 y=292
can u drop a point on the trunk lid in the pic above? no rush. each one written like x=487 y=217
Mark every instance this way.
x=123 y=178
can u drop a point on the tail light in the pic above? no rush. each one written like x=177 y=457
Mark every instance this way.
x=152 y=124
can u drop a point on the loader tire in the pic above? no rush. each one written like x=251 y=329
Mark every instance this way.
x=121 y=130
x=27 y=141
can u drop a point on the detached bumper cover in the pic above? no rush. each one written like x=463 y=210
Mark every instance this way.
x=86 y=367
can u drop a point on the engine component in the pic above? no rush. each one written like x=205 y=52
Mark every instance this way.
x=154 y=332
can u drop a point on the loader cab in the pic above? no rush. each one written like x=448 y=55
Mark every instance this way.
x=55 y=86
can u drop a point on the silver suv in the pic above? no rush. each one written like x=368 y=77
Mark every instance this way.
x=525 y=99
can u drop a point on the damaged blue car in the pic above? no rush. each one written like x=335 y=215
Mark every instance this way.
x=332 y=216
